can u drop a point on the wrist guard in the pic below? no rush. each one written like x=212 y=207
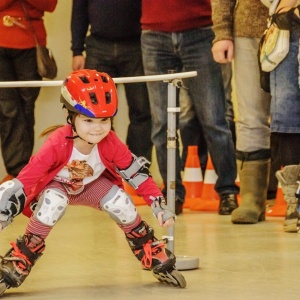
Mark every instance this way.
x=159 y=204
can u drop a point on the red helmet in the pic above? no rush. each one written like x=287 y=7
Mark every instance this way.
x=90 y=93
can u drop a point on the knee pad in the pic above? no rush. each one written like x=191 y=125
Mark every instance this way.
x=51 y=206
x=119 y=206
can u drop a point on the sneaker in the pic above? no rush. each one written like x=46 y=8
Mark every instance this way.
x=228 y=203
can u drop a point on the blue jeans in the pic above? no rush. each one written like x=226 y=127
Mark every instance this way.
x=124 y=59
x=190 y=51
x=284 y=83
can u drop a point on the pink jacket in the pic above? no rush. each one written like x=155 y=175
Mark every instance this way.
x=55 y=153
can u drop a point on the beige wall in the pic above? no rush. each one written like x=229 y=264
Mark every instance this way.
x=48 y=109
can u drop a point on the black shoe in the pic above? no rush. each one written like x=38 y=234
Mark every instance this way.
x=228 y=203
x=178 y=207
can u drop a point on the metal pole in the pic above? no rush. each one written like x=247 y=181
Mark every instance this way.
x=183 y=262
x=171 y=156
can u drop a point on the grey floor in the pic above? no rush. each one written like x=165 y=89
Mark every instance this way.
x=87 y=257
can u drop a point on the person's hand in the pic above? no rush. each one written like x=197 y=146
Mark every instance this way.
x=78 y=62
x=223 y=51
x=165 y=216
x=169 y=222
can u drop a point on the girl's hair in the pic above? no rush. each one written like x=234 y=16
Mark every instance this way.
x=49 y=130
x=70 y=120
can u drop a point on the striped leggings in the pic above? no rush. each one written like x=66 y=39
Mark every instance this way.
x=90 y=196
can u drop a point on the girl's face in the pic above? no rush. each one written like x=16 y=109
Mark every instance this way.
x=92 y=130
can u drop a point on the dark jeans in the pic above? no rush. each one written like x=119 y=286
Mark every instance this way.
x=124 y=59
x=17 y=108
x=190 y=51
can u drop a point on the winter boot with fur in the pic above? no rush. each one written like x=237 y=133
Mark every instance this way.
x=289 y=180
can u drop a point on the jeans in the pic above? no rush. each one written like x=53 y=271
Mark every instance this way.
x=17 y=108
x=284 y=83
x=191 y=132
x=124 y=59
x=190 y=51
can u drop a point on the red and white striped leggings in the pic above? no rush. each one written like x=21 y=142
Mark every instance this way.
x=90 y=196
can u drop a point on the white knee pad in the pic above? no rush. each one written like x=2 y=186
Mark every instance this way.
x=119 y=206
x=51 y=207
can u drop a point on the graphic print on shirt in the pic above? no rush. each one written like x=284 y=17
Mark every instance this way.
x=78 y=170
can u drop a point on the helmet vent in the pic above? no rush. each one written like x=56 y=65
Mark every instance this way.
x=104 y=79
x=93 y=98
x=107 y=97
x=84 y=79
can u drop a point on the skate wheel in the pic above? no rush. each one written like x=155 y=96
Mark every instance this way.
x=179 y=278
x=174 y=278
x=3 y=287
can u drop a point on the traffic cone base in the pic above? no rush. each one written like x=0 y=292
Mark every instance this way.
x=279 y=209
x=192 y=177
x=209 y=198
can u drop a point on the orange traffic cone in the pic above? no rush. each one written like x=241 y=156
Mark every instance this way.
x=132 y=193
x=238 y=183
x=209 y=198
x=192 y=177
x=279 y=209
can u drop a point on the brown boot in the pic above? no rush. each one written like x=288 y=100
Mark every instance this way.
x=254 y=176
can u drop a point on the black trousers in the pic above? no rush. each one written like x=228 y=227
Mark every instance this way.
x=285 y=150
x=17 y=107
x=124 y=59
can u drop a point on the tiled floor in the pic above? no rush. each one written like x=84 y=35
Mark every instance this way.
x=87 y=257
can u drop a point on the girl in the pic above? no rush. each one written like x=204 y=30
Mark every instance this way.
x=83 y=163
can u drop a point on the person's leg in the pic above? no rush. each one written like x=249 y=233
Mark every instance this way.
x=26 y=70
x=191 y=132
x=227 y=82
x=129 y=63
x=17 y=263
x=16 y=117
x=207 y=93
x=123 y=59
x=159 y=57
x=150 y=251
x=285 y=127
x=253 y=133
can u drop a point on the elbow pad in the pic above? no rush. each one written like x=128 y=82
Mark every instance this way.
x=137 y=172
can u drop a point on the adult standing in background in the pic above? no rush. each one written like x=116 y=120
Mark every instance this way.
x=238 y=26
x=18 y=63
x=113 y=46
x=285 y=111
x=177 y=35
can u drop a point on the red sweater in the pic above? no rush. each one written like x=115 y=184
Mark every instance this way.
x=55 y=153
x=175 y=15
x=17 y=37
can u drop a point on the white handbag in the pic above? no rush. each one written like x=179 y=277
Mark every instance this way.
x=274 y=47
